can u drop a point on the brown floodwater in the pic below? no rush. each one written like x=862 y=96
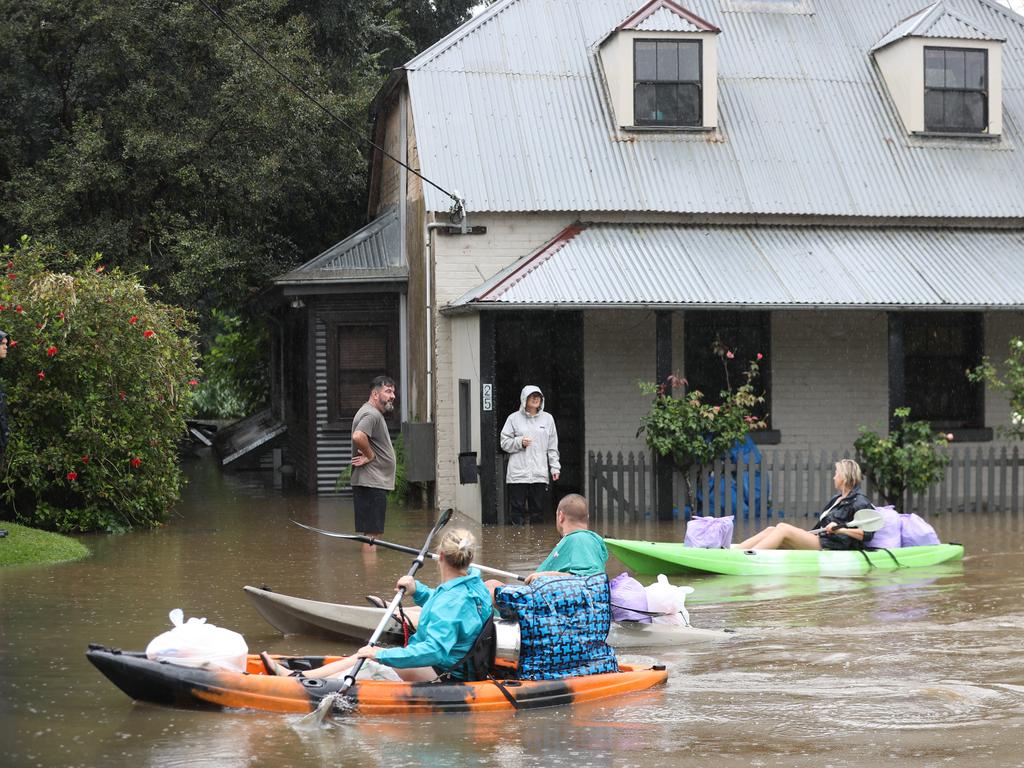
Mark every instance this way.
x=914 y=668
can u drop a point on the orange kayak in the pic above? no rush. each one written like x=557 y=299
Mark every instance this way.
x=175 y=685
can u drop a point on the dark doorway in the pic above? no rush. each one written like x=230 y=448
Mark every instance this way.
x=544 y=349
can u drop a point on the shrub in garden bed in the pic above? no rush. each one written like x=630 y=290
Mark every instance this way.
x=99 y=380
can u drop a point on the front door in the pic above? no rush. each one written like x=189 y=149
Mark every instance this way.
x=544 y=349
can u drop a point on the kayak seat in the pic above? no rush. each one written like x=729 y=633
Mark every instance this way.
x=478 y=663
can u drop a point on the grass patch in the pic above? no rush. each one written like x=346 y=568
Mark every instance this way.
x=30 y=546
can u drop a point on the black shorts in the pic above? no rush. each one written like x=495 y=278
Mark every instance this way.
x=370 y=505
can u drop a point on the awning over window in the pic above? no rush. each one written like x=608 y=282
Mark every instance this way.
x=764 y=267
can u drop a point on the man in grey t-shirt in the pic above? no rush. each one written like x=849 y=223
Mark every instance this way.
x=373 y=458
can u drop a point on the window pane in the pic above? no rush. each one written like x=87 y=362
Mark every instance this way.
x=668 y=103
x=688 y=97
x=938 y=349
x=934 y=68
x=974 y=111
x=643 y=104
x=689 y=61
x=933 y=111
x=668 y=62
x=975 y=69
x=646 y=61
x=953 y=113
x=955 y=69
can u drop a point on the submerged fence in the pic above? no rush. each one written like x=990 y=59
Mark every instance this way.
x=794 y=483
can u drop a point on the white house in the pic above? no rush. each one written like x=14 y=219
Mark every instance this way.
x=836 y=184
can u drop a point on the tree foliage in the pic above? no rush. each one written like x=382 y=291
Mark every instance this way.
x=99 y=380
x=1009 y=380
x=684 y=427
x=907 y=459
x=145 y=130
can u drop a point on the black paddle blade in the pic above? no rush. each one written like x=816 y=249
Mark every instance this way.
x=446 y=516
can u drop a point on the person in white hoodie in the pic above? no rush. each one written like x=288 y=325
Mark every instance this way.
x=531 y=440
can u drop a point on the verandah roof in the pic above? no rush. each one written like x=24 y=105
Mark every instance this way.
x=762 y=267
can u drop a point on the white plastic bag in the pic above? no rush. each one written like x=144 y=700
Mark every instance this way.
x=194 y=643
x=668 y=600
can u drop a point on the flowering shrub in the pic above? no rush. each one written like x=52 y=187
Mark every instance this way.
x=908 y=459
x=97 y=388
x=682 y=426
x=1011 y=381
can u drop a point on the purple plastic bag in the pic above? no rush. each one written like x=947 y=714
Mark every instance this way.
x=889 y=536
x=915 y=532
x=709 y=532
x=628 y=593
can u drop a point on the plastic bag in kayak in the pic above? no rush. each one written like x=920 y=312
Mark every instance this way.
x=628 y=597
x=915 y=532
x=563 y=624
x=888 y=536
x=709 y=532
x=668 y=600
x=194 y=643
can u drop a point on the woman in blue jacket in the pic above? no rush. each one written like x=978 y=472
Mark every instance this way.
x=831 y=521
x=453 y=615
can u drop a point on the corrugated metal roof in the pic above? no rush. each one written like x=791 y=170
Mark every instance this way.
x=512 y=111
x=664 y=20
x=371 y=253
x=936 y=20
x=666 y=265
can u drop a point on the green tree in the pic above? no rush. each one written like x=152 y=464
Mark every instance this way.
x=1011 y=381
x=234 y=382
x=145 y=130
x=99 y=380
x=683 y=426
x=909 y=458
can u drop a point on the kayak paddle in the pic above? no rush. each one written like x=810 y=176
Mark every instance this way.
x=868 y=520
x=401 y=548
x=350 y=678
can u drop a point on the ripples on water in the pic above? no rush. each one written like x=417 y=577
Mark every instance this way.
x=916 y=668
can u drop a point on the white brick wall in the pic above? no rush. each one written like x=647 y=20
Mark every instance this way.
x=830 y=375
x=618 y=351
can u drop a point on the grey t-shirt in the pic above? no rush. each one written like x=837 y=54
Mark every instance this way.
x=379 y=473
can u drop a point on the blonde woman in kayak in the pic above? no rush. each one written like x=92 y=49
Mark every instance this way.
x=833 y=519
x=453 y=615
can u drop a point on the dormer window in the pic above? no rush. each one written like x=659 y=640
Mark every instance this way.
x=955 y=90
x=661 y=69
x=667 y=82
x=944 y=73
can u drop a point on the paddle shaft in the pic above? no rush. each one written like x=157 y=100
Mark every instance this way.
x=870 y=522
x=442 y=521
x=402 y=548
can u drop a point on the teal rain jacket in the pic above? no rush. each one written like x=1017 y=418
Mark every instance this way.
x=453 y=615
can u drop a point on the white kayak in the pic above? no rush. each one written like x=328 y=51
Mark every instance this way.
x=300 y=616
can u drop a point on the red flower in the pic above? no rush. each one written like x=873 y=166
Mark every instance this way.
x=10 y=265
x=193 y=382
x=100 y=268
x=760 y=356
x=2 y=307
x=18 y=309
x=51 y=351
x=11 y=275
x=60 y=315
x=730 y=355
x=39 y=326
x=121 y=394
x=41 y=375
x=133 y=319
x=146 y=334
x=85 y=459
x=136 y=461
x=13 y=343
x=72 y=475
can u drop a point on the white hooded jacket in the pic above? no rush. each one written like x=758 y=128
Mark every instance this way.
x=533 y=463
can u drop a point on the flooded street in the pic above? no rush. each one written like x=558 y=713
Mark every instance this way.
x=913 y=668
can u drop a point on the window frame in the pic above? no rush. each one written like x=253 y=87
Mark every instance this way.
x=719 y=318
x=699 y=83
x=944 y=89
x=337 y=418
x=973 y=325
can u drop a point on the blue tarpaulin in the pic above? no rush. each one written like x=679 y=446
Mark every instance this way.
x=744 y=486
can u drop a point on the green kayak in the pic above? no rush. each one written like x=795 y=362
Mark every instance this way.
x=670 y=558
